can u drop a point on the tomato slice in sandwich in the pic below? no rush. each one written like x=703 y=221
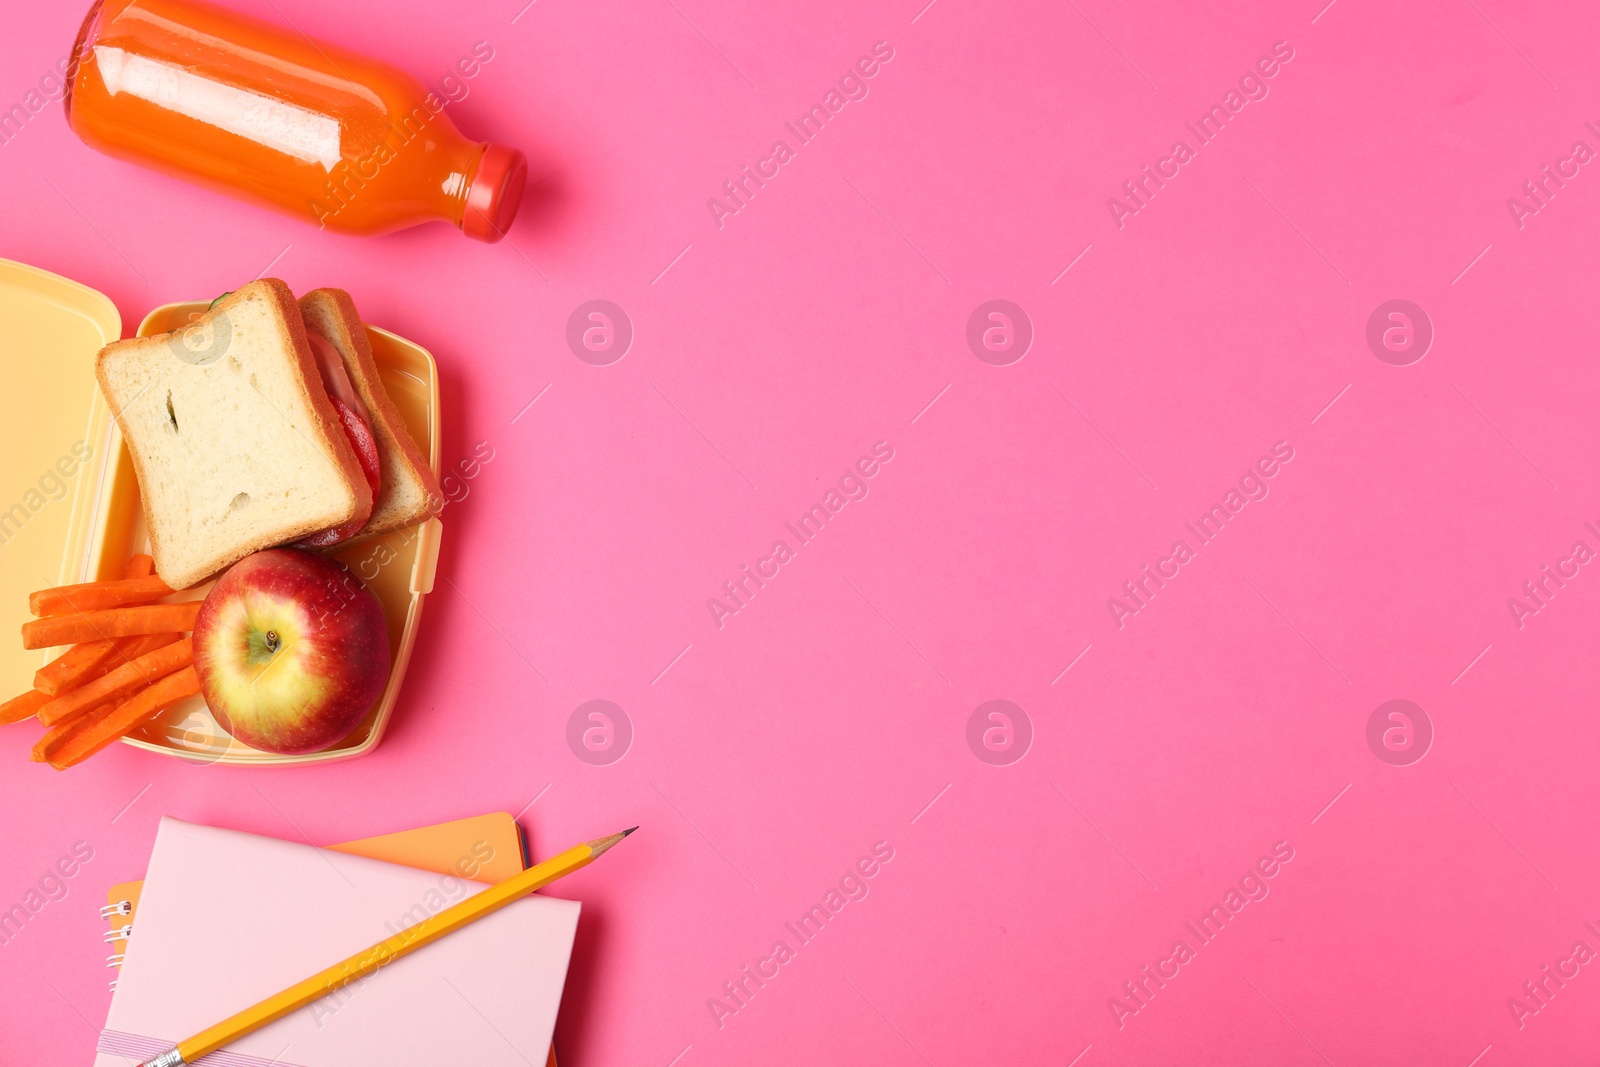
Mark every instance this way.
x=353 y=417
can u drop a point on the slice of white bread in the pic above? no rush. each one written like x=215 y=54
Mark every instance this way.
x=234 y=441
x=408 y=492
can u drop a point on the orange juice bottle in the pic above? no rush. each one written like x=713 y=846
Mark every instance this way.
x=321 y=132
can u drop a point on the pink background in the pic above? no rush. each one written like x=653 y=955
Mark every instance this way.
x=828 y=713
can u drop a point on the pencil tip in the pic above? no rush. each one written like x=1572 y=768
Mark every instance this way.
x=600 y=845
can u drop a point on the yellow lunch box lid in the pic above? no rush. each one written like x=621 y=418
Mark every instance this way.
x=51 y=434
x=69 y=500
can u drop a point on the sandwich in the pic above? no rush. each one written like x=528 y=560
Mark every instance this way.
x=248 y=429
x=407 y=491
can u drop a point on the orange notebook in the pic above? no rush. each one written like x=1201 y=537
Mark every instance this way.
x=485 y=848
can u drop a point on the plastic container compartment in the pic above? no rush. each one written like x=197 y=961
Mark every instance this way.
x=48 y=402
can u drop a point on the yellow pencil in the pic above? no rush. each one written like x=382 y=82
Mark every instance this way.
x=386 y=951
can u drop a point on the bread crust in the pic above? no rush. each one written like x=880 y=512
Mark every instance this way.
x=328 y=430
x=339 y=311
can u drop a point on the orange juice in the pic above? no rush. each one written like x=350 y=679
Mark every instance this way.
x=304 y=126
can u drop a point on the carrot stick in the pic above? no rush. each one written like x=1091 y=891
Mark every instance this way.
x=97 y=596
x=131 y=648
x=125 y=654
x=89 y=658
x=74 y=666
x=118 y=683
x=23 y=707
x=116 y=622
x=97 y=657
x=65 y=731
x=137 y=709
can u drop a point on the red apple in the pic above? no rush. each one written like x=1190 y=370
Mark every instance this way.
x=292 y=650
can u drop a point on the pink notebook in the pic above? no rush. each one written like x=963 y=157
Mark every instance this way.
x=485 y=995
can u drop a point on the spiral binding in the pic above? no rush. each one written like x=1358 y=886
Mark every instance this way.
x=116 y=933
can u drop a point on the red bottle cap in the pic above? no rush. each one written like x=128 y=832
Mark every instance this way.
x=494 y=193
